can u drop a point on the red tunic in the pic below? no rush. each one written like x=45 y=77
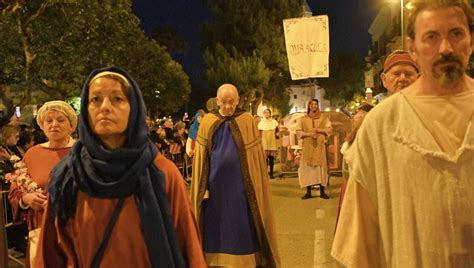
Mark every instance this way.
x=39 y=161
x=76 y=244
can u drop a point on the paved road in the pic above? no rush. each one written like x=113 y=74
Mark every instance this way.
x=305 y=228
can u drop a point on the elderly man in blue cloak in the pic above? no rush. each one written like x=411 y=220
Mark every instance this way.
x=230 y=188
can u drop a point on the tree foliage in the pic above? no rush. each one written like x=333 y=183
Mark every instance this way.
x=52 y=46
x=254 y=29
x=167 y=36
x=346 y=78
x=246 y=73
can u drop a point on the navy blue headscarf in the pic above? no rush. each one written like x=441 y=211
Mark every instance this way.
x=130 y=170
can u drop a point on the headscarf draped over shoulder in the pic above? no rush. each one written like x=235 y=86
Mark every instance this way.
x=130 y=170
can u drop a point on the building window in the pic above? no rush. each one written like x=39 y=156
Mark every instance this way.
x=295 y=96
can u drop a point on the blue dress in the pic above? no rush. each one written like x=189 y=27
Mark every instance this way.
x=227 y=221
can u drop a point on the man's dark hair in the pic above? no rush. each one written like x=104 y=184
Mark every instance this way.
x=316 y=100
x=419 y=5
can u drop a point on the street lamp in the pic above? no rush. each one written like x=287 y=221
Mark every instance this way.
x=402 y=30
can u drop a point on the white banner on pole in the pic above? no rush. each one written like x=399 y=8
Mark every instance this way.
x=307 y=46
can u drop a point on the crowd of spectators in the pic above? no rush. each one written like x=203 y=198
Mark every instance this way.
x=175 y=139
x=16 y=137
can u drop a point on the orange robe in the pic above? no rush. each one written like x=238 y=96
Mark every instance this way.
x=76 y=243
x=39 y=161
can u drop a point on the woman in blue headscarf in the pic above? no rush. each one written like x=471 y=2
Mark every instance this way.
x=115 y=202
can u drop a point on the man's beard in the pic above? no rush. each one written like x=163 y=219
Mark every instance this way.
x=450 y=74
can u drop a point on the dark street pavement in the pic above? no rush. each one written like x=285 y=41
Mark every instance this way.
x=305 y=228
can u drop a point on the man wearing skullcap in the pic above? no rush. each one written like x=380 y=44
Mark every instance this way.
x=58 y=120
x=399 y=71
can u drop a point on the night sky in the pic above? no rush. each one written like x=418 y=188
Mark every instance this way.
x=186 y=16
x=349 y=24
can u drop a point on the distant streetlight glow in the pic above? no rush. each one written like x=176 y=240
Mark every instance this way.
x=75 y=102
x=402 y=30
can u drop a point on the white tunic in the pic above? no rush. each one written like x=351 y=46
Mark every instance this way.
x=268 y=129
x=408 y=203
